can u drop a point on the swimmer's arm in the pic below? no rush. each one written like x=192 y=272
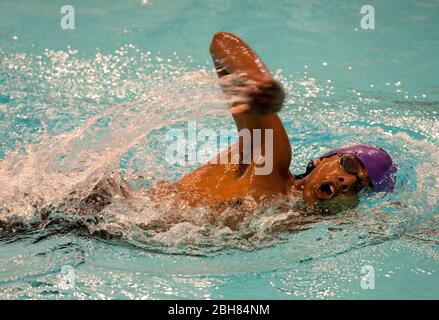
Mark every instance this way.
x=232 y=57
x=248 y=74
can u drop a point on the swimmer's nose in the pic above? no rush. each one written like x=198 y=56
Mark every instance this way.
x=341 y=184
x=346 y=182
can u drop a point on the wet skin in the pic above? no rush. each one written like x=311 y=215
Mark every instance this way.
x=222 y=185
x=214 y=183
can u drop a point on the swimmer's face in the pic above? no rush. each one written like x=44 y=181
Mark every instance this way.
x=335 y=179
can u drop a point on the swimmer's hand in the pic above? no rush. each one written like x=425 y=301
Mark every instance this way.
x=261 y=97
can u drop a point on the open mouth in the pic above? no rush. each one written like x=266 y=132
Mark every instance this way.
x=326 y=191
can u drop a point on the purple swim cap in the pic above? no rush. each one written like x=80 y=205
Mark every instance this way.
x=378 y=164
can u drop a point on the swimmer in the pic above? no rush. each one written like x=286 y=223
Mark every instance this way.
x=335 y=177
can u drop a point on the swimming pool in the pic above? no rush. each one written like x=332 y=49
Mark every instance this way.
x=101 y=97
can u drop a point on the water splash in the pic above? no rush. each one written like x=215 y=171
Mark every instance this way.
x=94 y=119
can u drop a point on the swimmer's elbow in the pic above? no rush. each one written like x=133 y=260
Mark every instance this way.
x=218 y=38
x=220 y=48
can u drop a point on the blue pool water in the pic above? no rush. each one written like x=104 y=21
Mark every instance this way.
x=77 y=105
